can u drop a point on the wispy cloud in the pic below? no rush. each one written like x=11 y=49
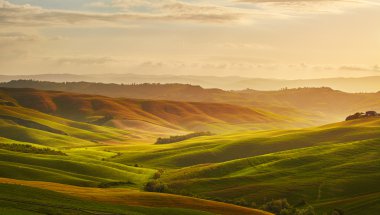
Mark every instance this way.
x=301 y=7
x=18 y=37
x=375 y=68
x=84 y=60
x=27 y=15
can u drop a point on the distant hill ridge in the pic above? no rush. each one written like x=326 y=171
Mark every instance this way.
x=149 y=115
x=354 y=84
x=312 y=105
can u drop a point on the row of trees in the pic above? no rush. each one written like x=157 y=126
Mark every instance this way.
x=178 y=138
x=29 y=149
x=359 y=115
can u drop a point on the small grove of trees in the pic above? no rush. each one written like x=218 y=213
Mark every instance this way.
x=173 y=139
x=158 y=174
x=156 y=186
x=282 y=207
x=29 y=149
x=359 y=115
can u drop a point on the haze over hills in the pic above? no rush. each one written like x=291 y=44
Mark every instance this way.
x=149 y=115
x=353 y=84
x=313 y=105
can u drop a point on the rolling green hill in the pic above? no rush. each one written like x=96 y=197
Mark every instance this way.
x=330 y=167
x=78 y=162
x=166 y=117
x=15 y=200
x=225 y=147
x=119 y=198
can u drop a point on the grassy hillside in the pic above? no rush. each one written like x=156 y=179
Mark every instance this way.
x=152 y=116
x=27 y=125
x=15 y=200
x=69 y=169
x=26 y=133
x=347 y=173
x=225 y=147
x=318 y=105
x=119 y=198
x=335 y=166
x=330 y=167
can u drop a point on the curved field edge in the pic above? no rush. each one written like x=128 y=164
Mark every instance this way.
x=122 y=196
x=69 y=170
x=16 y=200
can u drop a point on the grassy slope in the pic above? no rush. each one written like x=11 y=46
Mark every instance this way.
x=74 y=133
x=333 y=166
x=69 y=169
x=122 y=196
x=160 y=114
x=227 y=147
x=15 y=200
x=83 y=164
x=320 y=175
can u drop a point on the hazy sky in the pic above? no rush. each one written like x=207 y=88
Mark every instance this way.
x=256 y=38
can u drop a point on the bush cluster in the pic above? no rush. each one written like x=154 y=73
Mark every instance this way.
x=282 y=207
x=156 y=186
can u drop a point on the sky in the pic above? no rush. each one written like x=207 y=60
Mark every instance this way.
x=287 y=39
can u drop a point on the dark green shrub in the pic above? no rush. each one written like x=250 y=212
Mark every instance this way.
x=156 y=186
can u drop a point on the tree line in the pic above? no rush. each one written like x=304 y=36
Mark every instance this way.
x=179 y=138
x=24 y=148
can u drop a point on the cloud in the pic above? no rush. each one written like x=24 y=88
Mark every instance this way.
x=285 y=1
x=375 y=68
x=27 y=15
x=131 y=11
x=84 y=60
x=239 y=46
x=18 y=37
x=300 y=7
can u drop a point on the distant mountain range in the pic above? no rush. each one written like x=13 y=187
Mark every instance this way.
x=362 y=84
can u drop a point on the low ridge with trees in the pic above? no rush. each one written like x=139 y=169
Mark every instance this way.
x=360 y=115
